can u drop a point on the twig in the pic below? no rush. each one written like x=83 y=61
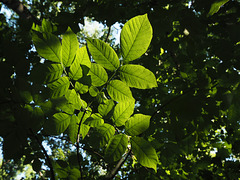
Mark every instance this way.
x=87 y=149
x=109 y=30
x=112 y=174
x=45 y=153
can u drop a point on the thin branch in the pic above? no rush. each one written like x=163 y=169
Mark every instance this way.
x=45 y=153
x=21 y=10
x=94 y=152
x=108 y=34
x=113 y=173
x=78 y=143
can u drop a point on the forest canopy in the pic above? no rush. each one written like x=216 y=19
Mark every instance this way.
x=159 y=100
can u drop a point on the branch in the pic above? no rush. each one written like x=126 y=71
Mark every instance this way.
x=45 y=153
x=112 y=174
x=21 y=10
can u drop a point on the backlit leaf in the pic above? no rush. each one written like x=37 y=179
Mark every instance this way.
x=119 y=91
x=73 y=129
x=137 y=76
x=103 y=54
x=106 y=131
x=62 y=122
x=81 y=88
x=94 y=121
x=69 y=47
x=106 y=107
x=137 y=124
x=122 y=111
x=54 y=71
x=98 y=75
x=49 y=47
x=116 y=147
x=216 y=6
x=59 y=87
x=135 y=38
x=81 y=60
x=74 y=99
x=144 y=152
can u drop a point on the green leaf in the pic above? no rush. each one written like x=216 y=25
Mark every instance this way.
x=94 y=121
x=98 y=75
x=122 y=111
x=135 y=38
x=47 y=26
x=106 y=131
x=103 y=54
x=216 y=6
x=144 y=152
x=73 y=129
x=81 y=88
x=49 y=47
x=59 y=87
x=54 y=72
x=116 y=147
x=62 y=122
x=137 y=76
x=81 y=60
x=119 y=91
x=69 y=47
x=26 y=96
x=106 y=107
x=93 y=91
x=137 y=124
x=74 y=99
